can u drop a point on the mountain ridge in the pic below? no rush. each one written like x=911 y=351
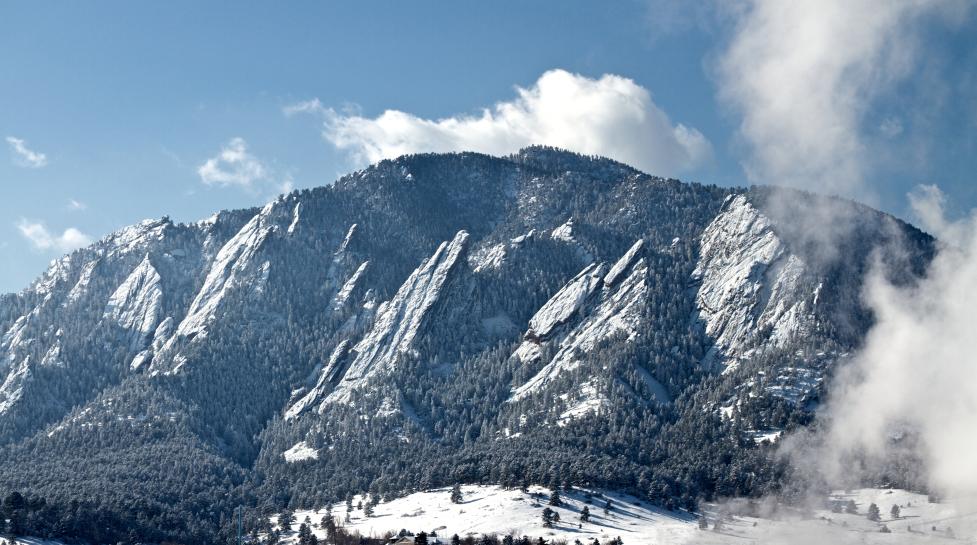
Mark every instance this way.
x=546 y=317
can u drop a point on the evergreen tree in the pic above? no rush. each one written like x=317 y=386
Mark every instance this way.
x=895 y=511
x=555 y=499
x=456 y=496
x=873 y=513
x=420 y=539
x=585 y=514
x=286 y=520
x=548 y=517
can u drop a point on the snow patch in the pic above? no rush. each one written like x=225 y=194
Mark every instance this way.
x=295 y=218
x=342 y=296
x=299 y=452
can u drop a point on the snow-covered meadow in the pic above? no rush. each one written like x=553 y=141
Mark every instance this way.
x=494 y=510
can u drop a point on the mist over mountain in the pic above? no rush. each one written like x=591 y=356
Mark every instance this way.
x=542 y=318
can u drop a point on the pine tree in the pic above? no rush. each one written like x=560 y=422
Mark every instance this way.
x=585 y=514
x=873 y=513
x=851 y=508
x=548 y=517
x=420 y=539
x=286 y=520
x=304 y=533
x=455 y=540
x=555 y=499
x=895 y=511
x=456 y=496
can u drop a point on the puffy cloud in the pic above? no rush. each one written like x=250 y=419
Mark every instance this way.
x=611 y=116
x=234 y=165
x=41 y=239
x=918 y=367
x=803 y=75
x=24 y=156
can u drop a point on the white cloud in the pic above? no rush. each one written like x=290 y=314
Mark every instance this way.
x=42 y=239
x=74 y=204
x=611 y=116
x=234 y=165
x=306 y=107
x=803 y=75
x=918 y=368
x=24 y=156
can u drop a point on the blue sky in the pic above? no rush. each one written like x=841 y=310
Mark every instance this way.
x=112 y=112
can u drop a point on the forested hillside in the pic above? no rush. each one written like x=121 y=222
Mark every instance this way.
x=544 y=318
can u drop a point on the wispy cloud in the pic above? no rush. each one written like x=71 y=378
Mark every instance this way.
x=610 y=115
x=76 y=205
x=24 y=156
x=236 y=166
x=802 y=77
x=42 y=239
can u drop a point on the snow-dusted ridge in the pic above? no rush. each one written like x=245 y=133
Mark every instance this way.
x=395 y=326
x=233 y=266
x=137 y=303
x=398 y=320
x=571 y=297
x=750 y=282
x=615 y=302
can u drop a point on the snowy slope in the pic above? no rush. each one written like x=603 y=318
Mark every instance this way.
x=493 y=510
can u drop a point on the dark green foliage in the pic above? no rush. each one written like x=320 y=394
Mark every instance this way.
x=548 y=517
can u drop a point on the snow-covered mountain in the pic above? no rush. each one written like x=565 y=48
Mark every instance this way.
x=544 y=317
